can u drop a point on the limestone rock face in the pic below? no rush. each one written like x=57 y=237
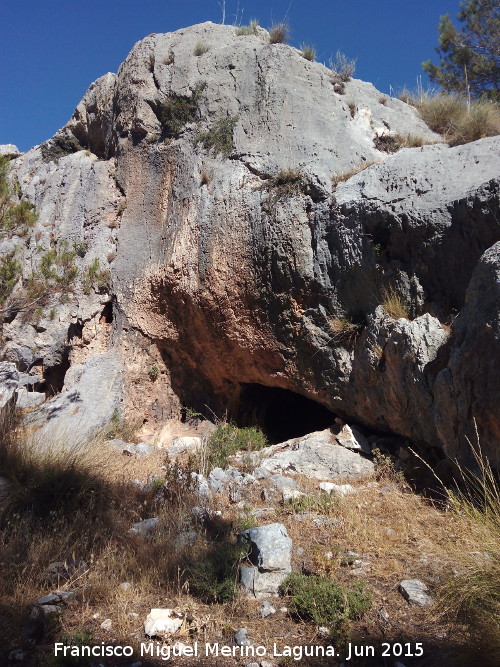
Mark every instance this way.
x=204 y=186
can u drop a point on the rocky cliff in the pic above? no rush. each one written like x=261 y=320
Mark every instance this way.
x=243 y=235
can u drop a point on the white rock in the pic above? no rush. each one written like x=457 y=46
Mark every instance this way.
x=337 y=489
x=160 y=622
x=106 y=625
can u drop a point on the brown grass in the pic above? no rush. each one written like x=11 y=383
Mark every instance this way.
x=346 y=175
x=394 y=304
x=397 y=533
x=455 y=119
x=278 y=33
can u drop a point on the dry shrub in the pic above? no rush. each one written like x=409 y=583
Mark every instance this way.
x=200 y=48
x=344 y=330
x=342 y=68
x=278 y=33
x=391 y=143
x=455 y=119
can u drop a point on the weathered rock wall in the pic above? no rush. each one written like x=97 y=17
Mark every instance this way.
x=223 y=274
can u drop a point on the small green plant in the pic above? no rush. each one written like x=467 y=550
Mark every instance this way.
x=251 y=29
x=308 y=52
x=96 y=278
x=60 y=146
x=322 y=503
x=278 y=33
x=200 y=48
x=219 y=138
x=178 y=110
x=327 y=603
x=154 y=372
x=10 y=272
x=121 y=428
x=394 y=304
x=227 y=439
x=213 y=578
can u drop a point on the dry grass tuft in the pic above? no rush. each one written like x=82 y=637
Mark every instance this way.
x=278 y=33
x=344 y=330
x=308 y=52
x=455 y=119
x=394 y=304
x=201 y=48
x=251 y=29
x=346 y=175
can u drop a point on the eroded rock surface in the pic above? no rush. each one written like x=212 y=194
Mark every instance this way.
x=243 y=264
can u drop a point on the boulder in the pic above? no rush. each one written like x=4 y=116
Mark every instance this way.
x=415 y=591
x=316 y=455
x=162 y=622
x=270 y=547
x=86 y=408
x=144 y=527
x=270 y=551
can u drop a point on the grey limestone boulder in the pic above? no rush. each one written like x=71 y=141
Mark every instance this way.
x=270 y=552
x=415 y=591
x=316 y=455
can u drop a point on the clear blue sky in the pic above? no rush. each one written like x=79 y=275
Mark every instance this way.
x=51 y=50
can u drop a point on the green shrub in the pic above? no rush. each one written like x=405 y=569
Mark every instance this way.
x=250 y=29
x=220 y=137
x=326 y=603
x=154 y=372
x=10 y=272
x=200 y=48
x=97 y=278
x=278 y=33
x=228 y=439
x=178 y=110
x=213 y=578
x=16 y=217
x=59 y=147
x=308 y=52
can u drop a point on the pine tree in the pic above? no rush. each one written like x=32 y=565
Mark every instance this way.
x=470 y=56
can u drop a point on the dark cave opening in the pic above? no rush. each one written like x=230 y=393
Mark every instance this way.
x=107 y=314
x=280 y=413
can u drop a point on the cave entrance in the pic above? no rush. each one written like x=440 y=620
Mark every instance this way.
x=280 y=413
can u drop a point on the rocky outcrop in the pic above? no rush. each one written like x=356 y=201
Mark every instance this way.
x=203 y=184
